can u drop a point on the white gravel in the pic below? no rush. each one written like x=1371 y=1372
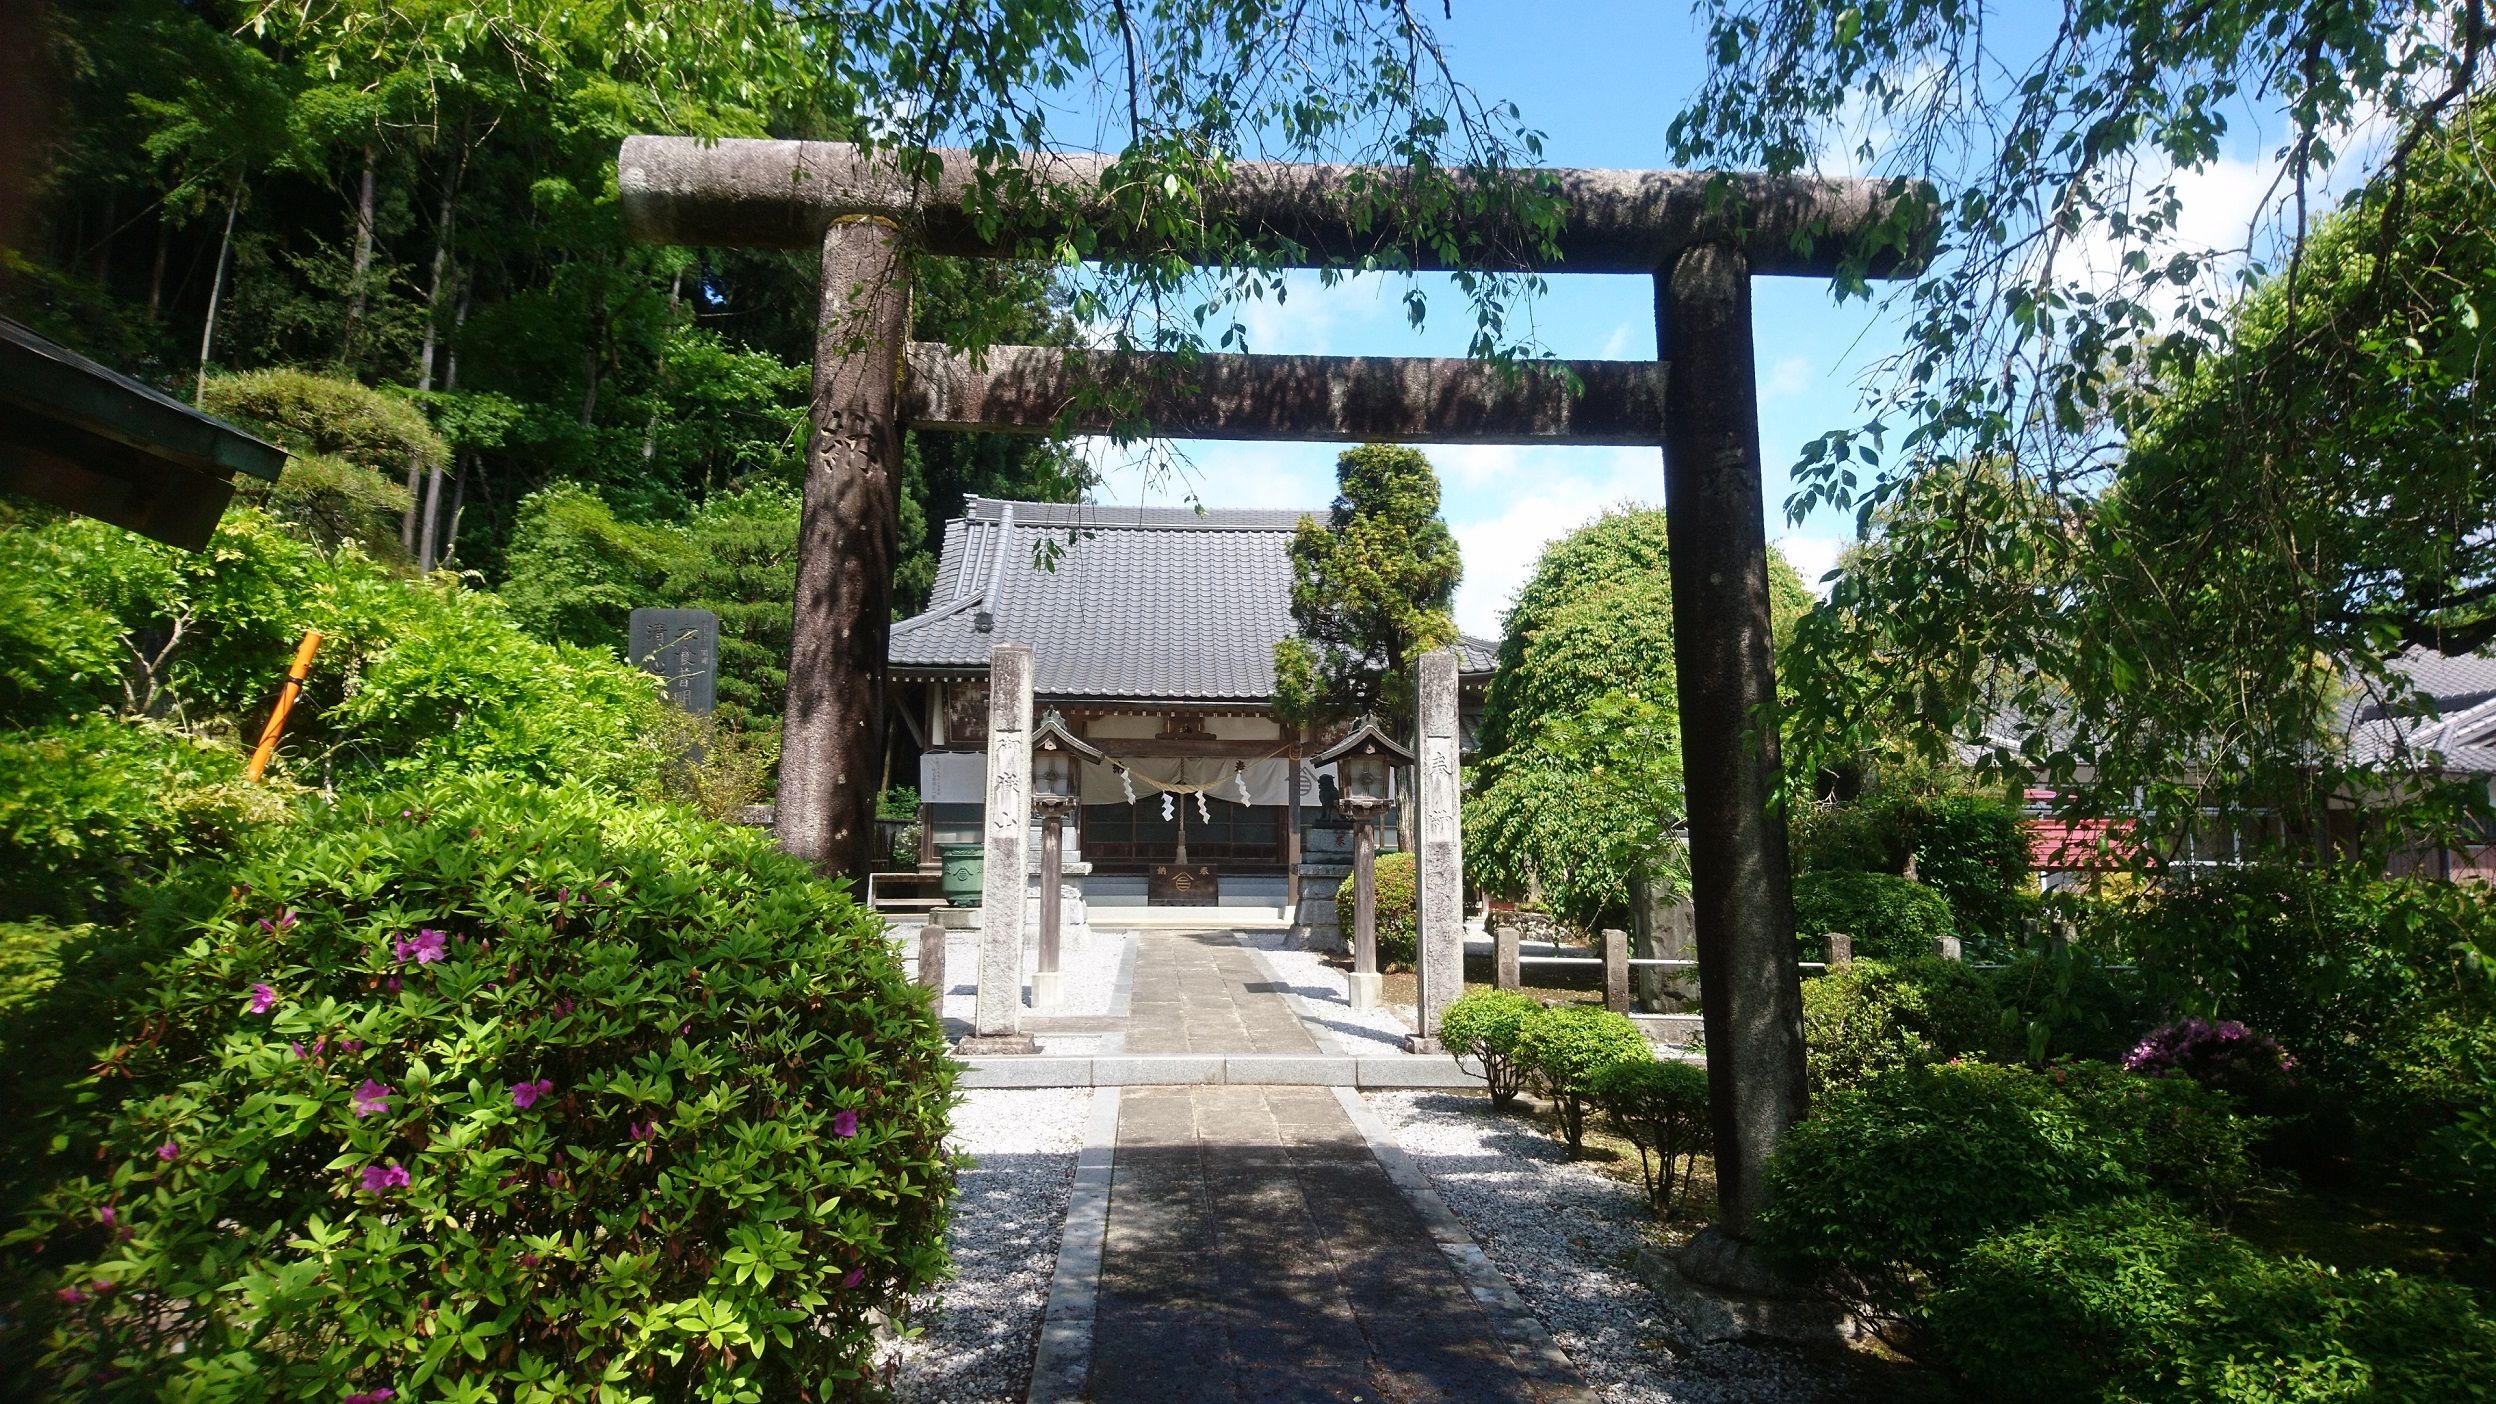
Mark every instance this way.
x=1563 y=1234
x=1323 y=1000
x=982 y=1328
x=1088 y=959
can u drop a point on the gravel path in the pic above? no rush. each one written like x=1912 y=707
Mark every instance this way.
x=1563 y=1235
x=981 y=1327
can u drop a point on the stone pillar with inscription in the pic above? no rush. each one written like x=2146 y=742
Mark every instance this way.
x=1441 y=958
x=997 y=1020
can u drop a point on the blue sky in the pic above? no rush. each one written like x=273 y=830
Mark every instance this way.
x=1601 y=81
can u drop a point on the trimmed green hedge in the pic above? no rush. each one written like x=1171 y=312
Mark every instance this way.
x=1397 y=892
x=1563 y=1049
x=1890 y=918
x=1881 y=1190
x=1485 y=1025
x=1872 y=1016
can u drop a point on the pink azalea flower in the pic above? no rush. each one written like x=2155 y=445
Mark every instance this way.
x=168 y=1151
x=524 y=1095
x=380 y=1178
x=854 y=1277
x=845 y=1124
x=370 y=1098
x=106 y=1216
x=394 y=984
x=380 y=1395
x=644 y=1130
x=263 y=999
x=427 y=947
x=71 y=1295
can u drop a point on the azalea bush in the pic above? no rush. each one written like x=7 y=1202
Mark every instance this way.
x=1881 y=1189
x=501 y=1091
x=2217 y=1053
x=2131 y=1300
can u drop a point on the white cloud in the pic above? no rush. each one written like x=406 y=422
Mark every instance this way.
x=1549 y=493
x=1790 y=376
x=1813 y=557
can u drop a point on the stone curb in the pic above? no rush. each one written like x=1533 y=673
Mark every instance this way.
x=1535 y=1354
x=1214 y=1069
x=1062 y=1365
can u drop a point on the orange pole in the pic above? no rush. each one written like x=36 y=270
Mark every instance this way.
x=285 y=703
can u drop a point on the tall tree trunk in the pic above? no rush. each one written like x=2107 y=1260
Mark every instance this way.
x=459 y=494
x=650 y=430
x=156 y=269
x=430 y=552
x=216 y=289
x=363 y=263
x=433 y=312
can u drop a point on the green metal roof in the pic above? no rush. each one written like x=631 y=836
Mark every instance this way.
x=86 y=437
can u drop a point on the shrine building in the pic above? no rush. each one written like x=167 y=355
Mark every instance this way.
x=1152 y=632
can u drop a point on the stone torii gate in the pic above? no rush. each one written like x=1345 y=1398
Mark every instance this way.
x=1701 y=238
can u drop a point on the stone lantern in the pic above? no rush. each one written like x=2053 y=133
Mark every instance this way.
x=1057 y=760
x=1365 y=763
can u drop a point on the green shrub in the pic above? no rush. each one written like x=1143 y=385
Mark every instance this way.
x=1396 y=890
x=1484 y=1025
x=1871 y=1016
x=575 y=571
x=1971 y=849
x=455 y=688
x=2176 y=1136
x=2332 y=963
x=1563 y=1049
x=2130 y=1300
x=1660 y=1106
x=2066 y=1003
x=89 y=809
x=1882 y=1188
x=505 y=1091
x=1891 y=918
x=333 y=501
x=306 y=413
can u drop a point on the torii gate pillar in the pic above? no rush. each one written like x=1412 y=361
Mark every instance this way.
x=1751 y=1001
x=832 y=734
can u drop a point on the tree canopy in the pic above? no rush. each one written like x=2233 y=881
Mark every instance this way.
x=1579 y=782
x=2145 y=509
x=1371 y=591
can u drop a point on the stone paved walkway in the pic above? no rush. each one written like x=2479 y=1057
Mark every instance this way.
x=1257 y=1250
x=1203 y=992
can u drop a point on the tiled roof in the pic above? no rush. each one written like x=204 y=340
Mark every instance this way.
x=1130 y=602
x=2450 y=719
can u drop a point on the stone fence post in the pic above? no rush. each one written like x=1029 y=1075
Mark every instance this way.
x=1616 y=970
x=1504 y=953
x=1841 y=949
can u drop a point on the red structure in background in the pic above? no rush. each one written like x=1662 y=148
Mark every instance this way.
x=2077 y=845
